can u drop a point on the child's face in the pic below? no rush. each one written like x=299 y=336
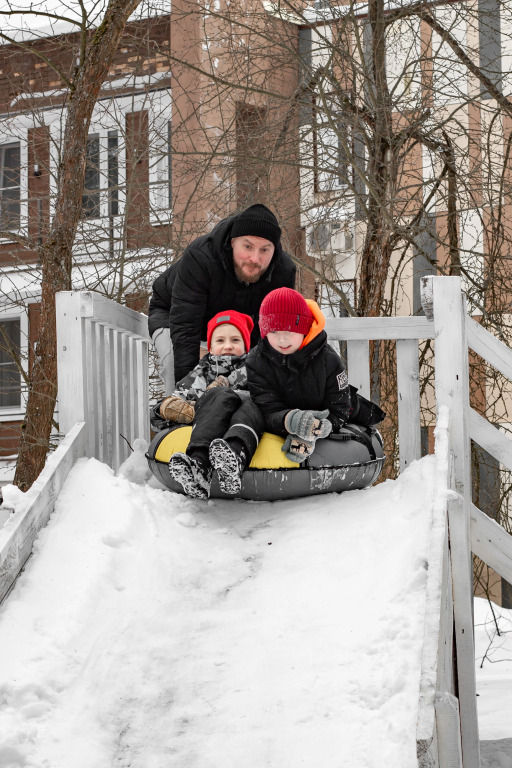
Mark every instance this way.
x=227 y=340
x=285 y=342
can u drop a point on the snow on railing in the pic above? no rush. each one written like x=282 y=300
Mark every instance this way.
x=103 y=377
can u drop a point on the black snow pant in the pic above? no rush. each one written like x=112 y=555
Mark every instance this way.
x=223 y=413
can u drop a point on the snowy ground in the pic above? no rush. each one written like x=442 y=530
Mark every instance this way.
x=154 y=631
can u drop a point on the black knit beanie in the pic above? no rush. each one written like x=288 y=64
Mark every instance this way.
x=257 y=221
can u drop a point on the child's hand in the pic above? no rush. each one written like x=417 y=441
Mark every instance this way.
x=308 y=425
x=296 y=449
x=176 y=409
x=220 y=381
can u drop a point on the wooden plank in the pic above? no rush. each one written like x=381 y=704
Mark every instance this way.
x=408 y=386
x=109 y=395
x=70 y=369
x=374 y=328
x=445 y=661
x=143 y=392
x=452 y=390
x=358 y=365
x=490 y=438
x=491 y=543
x=433 y=632
x=490 y=348
x=101 y=361
x=17 y=536
x=111 y=313
x=448 y=731
x=118 y=399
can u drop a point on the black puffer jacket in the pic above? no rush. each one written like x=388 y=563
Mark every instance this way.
x=313 y=378
x=203 y=282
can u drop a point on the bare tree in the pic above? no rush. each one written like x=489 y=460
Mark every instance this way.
x=82 y=80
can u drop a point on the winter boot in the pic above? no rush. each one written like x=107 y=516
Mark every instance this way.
x=193 y=476
x=229 y=465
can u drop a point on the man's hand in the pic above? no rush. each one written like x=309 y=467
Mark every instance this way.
x=308 y=425
x=176 y=409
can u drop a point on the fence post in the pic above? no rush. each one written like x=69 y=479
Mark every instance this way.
x=72 y=390
x=452 y=390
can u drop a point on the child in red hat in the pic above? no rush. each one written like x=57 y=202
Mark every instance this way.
x=227 y=426
x=294 y=375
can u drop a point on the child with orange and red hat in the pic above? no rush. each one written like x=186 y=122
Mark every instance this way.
x=227 y=425
x=294 y=375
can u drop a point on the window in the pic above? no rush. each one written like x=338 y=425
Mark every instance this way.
x=10 y=186
x=160 y=170
x=10 y=377
x=102 y=175
x=113 y=173
x=331 y=147
x=91 y=195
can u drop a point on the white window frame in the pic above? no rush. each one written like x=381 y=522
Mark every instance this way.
x=327 y=137
x=13 y=413
x=22 y=140
x=159 y=157
x=158 y=104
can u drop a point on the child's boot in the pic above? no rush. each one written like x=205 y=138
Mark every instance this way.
x=229 y=460
x=193 y=476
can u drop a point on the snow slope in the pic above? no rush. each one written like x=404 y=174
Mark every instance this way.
x=154 y=631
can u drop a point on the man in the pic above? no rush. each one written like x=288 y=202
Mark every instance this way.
x=234 y=266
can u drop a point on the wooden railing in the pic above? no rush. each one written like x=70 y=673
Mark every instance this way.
x=447 y=734
x=408 y=333
x=102 y=356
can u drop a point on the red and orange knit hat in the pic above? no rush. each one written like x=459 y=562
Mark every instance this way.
x=243 y=322
x=285 y=310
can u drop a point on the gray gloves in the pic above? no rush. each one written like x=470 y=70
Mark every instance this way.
x=296 y=449
x=305 y=427
x=308 y=425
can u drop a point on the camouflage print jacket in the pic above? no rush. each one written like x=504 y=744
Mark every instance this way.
x=209 y=368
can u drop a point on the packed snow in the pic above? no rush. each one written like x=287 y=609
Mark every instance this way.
x=152 y=630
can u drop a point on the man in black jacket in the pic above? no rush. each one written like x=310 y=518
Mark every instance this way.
x=233 y=267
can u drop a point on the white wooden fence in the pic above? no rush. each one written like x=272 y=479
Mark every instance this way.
x=102 y=358
x=103 y=406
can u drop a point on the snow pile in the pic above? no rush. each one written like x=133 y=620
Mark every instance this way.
x=493 y=646
x=152 y=630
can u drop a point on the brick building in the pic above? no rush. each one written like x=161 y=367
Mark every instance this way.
x=154 y=178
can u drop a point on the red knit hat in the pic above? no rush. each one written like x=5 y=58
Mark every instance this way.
x=285 y=310
x=243 y=322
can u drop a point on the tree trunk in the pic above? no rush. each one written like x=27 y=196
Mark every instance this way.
x=376 y=253
x=56 y=252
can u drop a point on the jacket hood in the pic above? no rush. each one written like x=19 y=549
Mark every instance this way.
x=318 y=322
x=220 y=236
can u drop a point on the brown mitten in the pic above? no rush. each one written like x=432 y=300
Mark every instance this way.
x=173 y=408
x=220 y=381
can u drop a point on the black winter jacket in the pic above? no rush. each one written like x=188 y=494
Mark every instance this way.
x=203 y=282
x=313 y=378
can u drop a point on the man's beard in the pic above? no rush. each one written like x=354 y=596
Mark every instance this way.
x=252 y=277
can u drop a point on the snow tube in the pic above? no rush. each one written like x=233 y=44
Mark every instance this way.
x=345 y=462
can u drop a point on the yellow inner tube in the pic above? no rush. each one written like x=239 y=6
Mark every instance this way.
x=268 y=453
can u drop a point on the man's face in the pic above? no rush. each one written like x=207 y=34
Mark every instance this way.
x=251 y=257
